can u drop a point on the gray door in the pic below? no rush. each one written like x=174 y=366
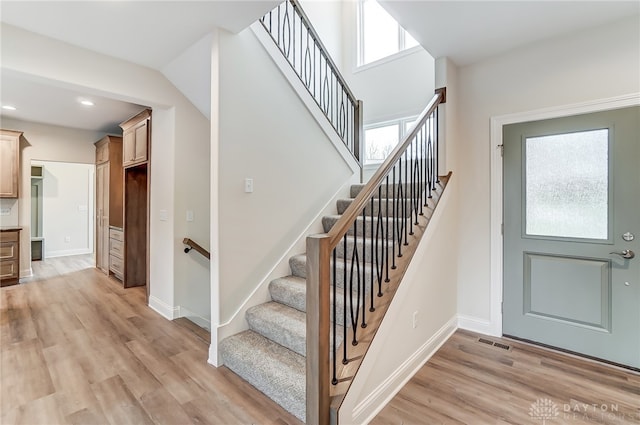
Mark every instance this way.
x=571 y=216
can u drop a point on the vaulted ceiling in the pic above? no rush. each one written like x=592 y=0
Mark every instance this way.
x=153 y=33
x=471 y=31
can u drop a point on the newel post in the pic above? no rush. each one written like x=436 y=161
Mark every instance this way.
x=318 y=322
x=358 y=132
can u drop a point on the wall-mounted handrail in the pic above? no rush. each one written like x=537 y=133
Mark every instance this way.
x=291 y=30
x=194 y=245
x=360 y=254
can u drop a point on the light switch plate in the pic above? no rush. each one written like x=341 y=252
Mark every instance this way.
x=189 y=215
x=164 y=215
x=248 y=185
x=5 y=211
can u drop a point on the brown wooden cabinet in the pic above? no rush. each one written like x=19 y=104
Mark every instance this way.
x=9 y=256
x=136 y=135
x=116 y=252
x=9 y=163
x=109 y=195
x=136 y=154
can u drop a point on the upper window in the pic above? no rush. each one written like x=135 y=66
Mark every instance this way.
x=380 y=34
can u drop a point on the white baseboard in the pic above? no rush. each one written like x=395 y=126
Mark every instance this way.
x=203 y=322
x=475 y=324
x=368 y=408
x=164 y=309
x=67 y=252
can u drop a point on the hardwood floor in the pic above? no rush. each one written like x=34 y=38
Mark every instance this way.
x=470 y=382
x=79 y=349
x=58 y=266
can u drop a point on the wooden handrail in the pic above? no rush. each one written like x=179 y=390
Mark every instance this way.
x=194 y=245
x=355 y=209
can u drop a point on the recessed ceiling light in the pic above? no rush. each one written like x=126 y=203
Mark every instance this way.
x=9 y=107
x=87 y=102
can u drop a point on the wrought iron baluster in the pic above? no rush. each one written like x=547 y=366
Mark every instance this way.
x=345 y=360
x=374 y=256
x=437 y=133
x=364 y=267
x=334 y=345
x=393 y=222
x=355 y=312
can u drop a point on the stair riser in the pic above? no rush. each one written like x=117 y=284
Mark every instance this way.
x=392 y=190
x=356 y=229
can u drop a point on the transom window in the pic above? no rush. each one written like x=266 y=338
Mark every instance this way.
x=380 y=35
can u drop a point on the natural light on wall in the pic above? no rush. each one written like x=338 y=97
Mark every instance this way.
x=380 y=34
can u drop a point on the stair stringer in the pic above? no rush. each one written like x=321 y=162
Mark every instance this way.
x=371 y=386
x=308 y=100
x=237 y=323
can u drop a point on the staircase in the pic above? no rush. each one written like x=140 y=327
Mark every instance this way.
x=270 y=355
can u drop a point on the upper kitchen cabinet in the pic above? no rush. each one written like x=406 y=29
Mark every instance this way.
x=136 y=134
x=9 y=163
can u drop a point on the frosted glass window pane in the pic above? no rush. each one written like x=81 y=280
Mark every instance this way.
x=567 y=183
x=380 y=32
x=379 y=142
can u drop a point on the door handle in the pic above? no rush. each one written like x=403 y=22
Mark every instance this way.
x=626 y=254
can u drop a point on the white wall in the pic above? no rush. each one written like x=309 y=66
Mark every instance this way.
x=389 y=89
x=67 y=208
x=265 y=133
x=43 y=142
x=586 y=66
x=176 y=124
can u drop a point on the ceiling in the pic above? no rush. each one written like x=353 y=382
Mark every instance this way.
x=471 y=31
x=112 y=28
x=465 y=31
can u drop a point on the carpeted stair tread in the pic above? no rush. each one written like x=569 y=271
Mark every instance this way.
x=383 y=205
x=390 y=190
x=292 y=291
x=273 y=369
x=280 y=323
x=298 y=264
x=328 y=221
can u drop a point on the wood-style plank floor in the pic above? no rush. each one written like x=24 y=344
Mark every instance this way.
x=469 y=382
x=79 y=349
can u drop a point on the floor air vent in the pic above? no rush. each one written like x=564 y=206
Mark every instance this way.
x=494 y=344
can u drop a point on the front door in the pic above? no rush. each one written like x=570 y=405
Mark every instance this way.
x=571 y=231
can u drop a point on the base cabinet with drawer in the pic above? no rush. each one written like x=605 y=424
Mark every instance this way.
x=116 y=252
x=9 y=256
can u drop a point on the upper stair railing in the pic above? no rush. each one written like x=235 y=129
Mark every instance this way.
x=353 y=270
x=300 y=44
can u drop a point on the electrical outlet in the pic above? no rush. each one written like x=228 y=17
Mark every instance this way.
x=67 y=239
x=415 y=319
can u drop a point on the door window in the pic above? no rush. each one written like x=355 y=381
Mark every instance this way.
x=567 y=185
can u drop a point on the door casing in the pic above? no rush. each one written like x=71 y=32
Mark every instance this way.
x=494 y=325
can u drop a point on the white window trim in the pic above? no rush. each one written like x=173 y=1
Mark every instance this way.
x=360 y=65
